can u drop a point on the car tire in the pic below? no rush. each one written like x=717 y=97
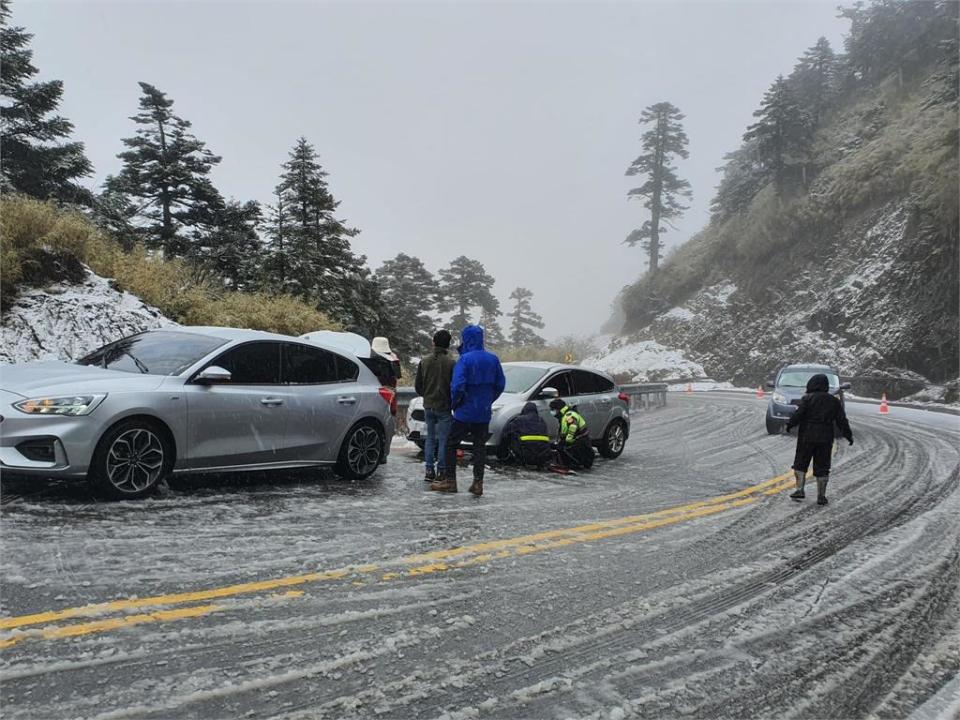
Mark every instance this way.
x=361 y=452
x=614 y=440
x=773 y=426
x=130 y=460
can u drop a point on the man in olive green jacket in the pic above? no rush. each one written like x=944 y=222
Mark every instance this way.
x=433 y=384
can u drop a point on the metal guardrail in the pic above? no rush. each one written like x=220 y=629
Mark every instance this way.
x=644 y=396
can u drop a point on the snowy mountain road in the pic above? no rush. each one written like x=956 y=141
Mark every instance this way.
x=677 y=580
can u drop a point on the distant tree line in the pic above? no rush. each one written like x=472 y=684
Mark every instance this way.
x=886 y=38
x=163 y=199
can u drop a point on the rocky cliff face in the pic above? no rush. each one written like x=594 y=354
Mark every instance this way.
x=856 y=268
x=66 y=320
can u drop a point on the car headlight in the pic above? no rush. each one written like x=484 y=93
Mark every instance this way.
x=68 y=405
x=497 y=408
x=780 y=398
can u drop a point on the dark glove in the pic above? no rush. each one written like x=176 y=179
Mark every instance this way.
x=850 y=440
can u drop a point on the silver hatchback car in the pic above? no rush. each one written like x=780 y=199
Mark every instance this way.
x=193 y=399
x=594 y=394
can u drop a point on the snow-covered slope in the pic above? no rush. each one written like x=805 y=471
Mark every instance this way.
x=643 y=361
x=64 y=321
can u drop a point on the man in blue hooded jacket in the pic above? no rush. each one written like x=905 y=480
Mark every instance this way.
x=477 y=382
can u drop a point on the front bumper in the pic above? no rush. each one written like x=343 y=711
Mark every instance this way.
x=779 y=411
x=71 y=441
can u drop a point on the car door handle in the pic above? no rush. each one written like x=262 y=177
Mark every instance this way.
x=346 y=400
x=271 y=402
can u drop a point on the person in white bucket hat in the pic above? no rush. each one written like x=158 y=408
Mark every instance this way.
x=381 y=346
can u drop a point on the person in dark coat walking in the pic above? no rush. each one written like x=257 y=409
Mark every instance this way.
x=527 y=439
x=432 y=383
x=817 y=415
x=478 y=380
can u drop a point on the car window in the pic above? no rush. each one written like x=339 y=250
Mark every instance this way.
x=347 y=370
x=561 y=382
x=520 y=378
x=256 y=363
x=588 y=383
x=154 y=353
x=303 y=365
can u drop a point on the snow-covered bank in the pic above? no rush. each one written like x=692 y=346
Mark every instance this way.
x=64 y=321
x=643 y=361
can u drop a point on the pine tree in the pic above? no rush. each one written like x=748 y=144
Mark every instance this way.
x=277 y=256
x=782 y=134
x=408 y=289
x=493 y=336
x=321 y=266
x=165 y=176
x=663 y=188
x=814 y=80
x=37 y=160
x=743 y=177
x=524 y=320
x=464 y=286
x=233 y=250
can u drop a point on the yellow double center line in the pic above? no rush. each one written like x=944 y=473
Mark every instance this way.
x=133 y=611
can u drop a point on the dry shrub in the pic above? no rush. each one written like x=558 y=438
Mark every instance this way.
x=256 y=311
x=32 y=232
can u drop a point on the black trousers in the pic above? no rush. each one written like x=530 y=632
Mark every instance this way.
x=459 y=432
x=578 y=455
x=821 y=453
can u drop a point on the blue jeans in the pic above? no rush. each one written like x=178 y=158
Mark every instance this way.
x=438 y=428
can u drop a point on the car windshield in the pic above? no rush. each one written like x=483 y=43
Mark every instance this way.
x=521 y=378
x=799 y=378
x=154 y=353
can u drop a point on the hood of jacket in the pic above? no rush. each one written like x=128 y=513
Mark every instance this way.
x=472 y=338
x=818 y=383
x=530 y=409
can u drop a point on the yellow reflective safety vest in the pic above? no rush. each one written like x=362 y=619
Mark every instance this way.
x=572 y=426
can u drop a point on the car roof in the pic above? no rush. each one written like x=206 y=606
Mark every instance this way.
x=548 y=366
x=808 y=366
x=241 y=334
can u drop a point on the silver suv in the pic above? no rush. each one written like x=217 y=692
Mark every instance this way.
x=593 y=394
x=193 y=399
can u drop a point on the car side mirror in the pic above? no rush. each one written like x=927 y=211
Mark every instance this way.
x=548 y=392
x=213 y=375
x=846 y=386
x=771 y=384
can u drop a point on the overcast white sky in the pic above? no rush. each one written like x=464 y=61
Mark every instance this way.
x=499 y=131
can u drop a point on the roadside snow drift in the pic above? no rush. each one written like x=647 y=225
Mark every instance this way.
x=64 y=321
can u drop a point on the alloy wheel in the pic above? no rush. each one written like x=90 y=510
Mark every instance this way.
x=616 y=439
x=135 y=460
x=363 y=450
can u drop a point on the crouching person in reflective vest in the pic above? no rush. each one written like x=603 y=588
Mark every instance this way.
x=574 y=449
x=527 y=440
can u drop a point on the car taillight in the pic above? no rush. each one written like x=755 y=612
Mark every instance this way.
x=625 y=398
x=390 y=398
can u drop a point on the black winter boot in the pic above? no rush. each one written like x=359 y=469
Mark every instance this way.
x=801 y=481
x=822 y=490
x=430 y=475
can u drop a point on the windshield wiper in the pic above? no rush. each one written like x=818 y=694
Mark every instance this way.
x=136 y=361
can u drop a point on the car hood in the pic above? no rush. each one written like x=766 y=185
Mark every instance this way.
x=509 y=399
x=60 y=378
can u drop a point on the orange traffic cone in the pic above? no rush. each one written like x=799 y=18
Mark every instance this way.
x=884 y=408
x=689 y=388
x=760 y=391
